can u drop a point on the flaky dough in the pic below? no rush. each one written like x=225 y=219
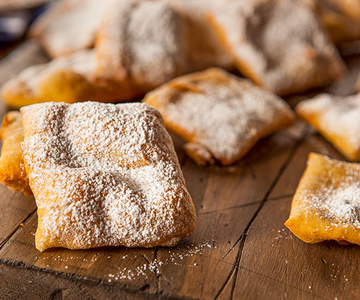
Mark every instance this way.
x=66 y=79
x=337 y=119
x=278 y=44
x=104 y=175
x=219 y=115
x=326 y=203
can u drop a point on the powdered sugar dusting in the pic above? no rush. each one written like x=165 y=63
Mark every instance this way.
x=140 y=41
x=104 y=174
x=154 y=266
x=335 y=115
x=225 y=114
x=203 y=47
x=341 y=205
x=279 y=44
x=338 y=199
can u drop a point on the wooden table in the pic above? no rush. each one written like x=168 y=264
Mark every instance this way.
x=239 y=250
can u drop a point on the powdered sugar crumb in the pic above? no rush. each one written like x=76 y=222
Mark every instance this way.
x=338 y=197
x=154 y=266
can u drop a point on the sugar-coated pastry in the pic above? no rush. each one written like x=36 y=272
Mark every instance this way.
x=139 y=42
x=220 y=115
x=203 y=49
x=12 y=169
x=326 y=205
x=66 y=79
x=104 y=175
x=341 y=18
x=69 y=26
x=278 y=44
x=337 y=119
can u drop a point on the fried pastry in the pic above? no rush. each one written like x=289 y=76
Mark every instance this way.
x=219 y=115
x=278 y=44
x=139 y=42
x=337 y=119
x=12 y=169
x=326 y=204
x=203 y=49
x=66 y=79
x=69 y=26
x=104 y=175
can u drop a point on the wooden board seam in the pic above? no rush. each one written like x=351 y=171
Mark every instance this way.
x=242 y=239
x=281 y=282
x=22 y=265
x=17 y=228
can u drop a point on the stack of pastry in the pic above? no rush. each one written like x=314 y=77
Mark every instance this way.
x=118 y=50
x=105 y=174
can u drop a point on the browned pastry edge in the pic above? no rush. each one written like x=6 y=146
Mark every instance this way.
x=12 y=169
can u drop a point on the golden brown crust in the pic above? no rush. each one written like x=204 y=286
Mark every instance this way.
x=242 y=65
x=202 y=46
x=67 y=79
x=221 y=116
x=337 y=119
x=325 y=205
x=295 y=66
x=12 y=169
x=104 y=175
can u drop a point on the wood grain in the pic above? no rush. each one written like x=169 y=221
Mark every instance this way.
x=239 y=250
x=14 y=209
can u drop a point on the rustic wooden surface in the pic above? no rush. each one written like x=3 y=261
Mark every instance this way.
x=239 y=250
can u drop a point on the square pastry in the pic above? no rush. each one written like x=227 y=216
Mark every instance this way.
x=326 y=205
x=337 y=119
x=104 y=175
x=279 y=44
x=219 y=115
x=140 y=42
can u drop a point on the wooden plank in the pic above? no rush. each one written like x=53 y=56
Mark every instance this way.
x=240 y=248
x=14 y=209
x=229 y=197
x=129 y=266
x=19 y=283
x=226 y=200
x=314 y=142
x=280 y=262
x=274 y=262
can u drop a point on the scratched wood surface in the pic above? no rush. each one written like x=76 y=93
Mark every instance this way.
x=239 y=250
